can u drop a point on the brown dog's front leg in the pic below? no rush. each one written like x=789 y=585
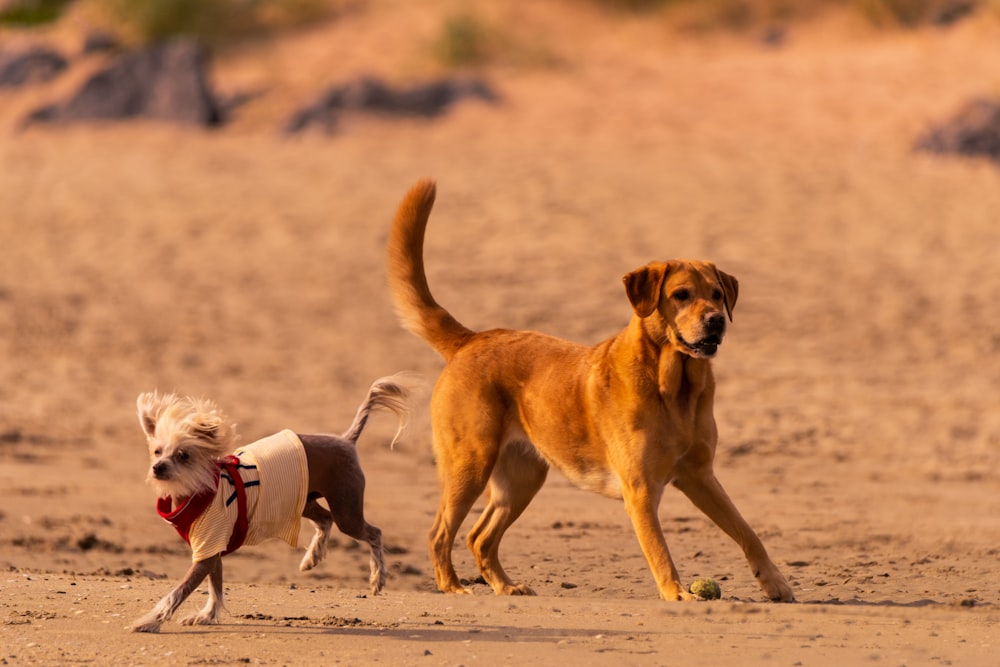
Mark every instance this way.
x=707 y=494
x=641 y=505
x=166 y=607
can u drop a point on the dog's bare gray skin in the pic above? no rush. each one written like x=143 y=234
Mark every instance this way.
x=186 y=437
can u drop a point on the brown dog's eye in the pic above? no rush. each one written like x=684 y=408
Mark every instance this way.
x=717 y=295
x=681 y=295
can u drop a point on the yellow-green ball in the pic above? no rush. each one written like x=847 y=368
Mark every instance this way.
x=705 y=588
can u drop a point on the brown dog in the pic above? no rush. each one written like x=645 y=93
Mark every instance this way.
x=624 y=418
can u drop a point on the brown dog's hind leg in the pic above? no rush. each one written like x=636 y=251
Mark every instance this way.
x=517 y=476
x=457 y=498
x=707 y=494
x=466 y=448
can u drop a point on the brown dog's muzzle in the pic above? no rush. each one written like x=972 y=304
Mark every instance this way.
x=707 y=344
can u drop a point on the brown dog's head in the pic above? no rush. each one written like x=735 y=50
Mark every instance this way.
x=683 y=304
x=185 y=436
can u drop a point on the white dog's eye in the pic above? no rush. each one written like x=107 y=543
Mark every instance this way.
x=181 y=455
x=157 y=451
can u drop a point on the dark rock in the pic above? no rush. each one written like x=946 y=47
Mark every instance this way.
x=229 y=103
x=425 y=100
x=974 y=130
x=774 y=36
x=165 y=81
x=36 y=65
x=98 y=41
x=953 y=12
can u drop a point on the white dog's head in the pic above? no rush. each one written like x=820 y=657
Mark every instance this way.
x=186 y=437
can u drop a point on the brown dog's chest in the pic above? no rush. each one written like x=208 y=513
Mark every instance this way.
x=615 y=427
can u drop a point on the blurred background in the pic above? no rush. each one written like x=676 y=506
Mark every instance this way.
x=195 y=196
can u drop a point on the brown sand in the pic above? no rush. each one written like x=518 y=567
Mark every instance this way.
x=859 y=385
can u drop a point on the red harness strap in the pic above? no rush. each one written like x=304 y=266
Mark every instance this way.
x=192 y=507
x=187 y=511
x=231 y=464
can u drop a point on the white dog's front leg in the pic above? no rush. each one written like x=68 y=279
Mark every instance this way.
x=209 y=614
x=166 y=607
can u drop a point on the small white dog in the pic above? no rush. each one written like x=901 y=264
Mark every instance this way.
x=219 y=501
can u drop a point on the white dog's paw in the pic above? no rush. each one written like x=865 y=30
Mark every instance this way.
x=308 y=562
x=313 y=557
x=146 y=626
x=200 y=618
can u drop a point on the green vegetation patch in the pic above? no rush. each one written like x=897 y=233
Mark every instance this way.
x=27 y=13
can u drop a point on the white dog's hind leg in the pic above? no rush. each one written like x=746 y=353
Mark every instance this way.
x=323 y=521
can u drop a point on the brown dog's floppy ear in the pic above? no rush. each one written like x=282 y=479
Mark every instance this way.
x=643 y=287
x=730 y=290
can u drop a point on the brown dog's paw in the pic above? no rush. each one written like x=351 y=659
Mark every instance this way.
x=780 y=594
x=456 y=590
x=776 y=587
x=678 y=594
x=518 y=589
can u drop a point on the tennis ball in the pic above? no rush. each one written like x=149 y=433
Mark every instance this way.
x=705 y=588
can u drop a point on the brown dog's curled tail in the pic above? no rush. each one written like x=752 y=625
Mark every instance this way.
x=418 y=312
x=389 y=392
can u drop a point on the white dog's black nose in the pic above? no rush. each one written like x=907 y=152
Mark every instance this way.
x=160 y=470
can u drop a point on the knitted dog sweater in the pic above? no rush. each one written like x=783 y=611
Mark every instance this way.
x=275 y=478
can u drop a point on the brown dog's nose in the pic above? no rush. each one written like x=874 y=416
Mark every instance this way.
x=715 y=322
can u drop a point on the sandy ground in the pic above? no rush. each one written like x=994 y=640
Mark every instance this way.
x=858 y=387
